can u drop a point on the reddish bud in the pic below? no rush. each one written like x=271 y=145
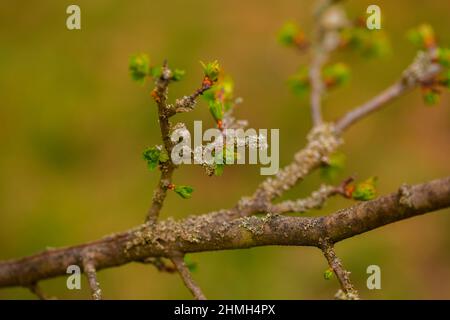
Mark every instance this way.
x=349 y=190
x=171 y=186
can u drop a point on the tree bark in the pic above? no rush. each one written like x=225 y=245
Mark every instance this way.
x=217 y=231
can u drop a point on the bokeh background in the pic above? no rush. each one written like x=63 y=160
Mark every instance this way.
x=73 y=127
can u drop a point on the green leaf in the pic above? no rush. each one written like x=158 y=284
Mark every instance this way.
x=211 y=70
x=218 y=169
x=355 y=38
x=369 y=43
x=335 y=166
x=210 y=95
x=377 y=46
x=225 y=93
x=431 y=97
x=191 y=265
x=224 y=156
x=336 y=74
x=227 y=155
x=220 y=92
x=422 y=36
x=151 y=155
x=288 y=33
x=184 y=191
x=415 y=37
x=444 y=57
x=366 y=190
x=215 y=107
x=178 y=74
x=445 y=79
x=154 y=156
x=299 y=82
x=163 y=156
x=139 y=67
x=155 y=72
x=328 y=274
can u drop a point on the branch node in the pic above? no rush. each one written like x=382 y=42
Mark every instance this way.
x=37 y=290
x=405 y=196
x=91 y=273
x=159 y=264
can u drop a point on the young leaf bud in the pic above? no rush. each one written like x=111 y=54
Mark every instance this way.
x=139 y=67
x=184 y=191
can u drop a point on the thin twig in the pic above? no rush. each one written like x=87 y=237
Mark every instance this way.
x=370 y=106
x=185 y=274
x=316 y=200
x=319 y=57
x=91 y=273
x=323 y=44
x=187 y=103
x=160 y=94
x=342 y=275
x=421 y=70
x=160 y=264
x=37 y=290
x=165 y=112
x=317 y=86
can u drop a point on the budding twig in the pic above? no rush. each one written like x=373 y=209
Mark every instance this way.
x=234 y=229
x=185 y=274
x=418 y=72
x=167 y=168
x=91 y=273
x=320 y=56
x=165 y=111
x=336 y=265
x=187 y=103
x=316 y=200
x=322 y=46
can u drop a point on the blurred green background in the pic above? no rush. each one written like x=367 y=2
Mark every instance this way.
x=73 y=127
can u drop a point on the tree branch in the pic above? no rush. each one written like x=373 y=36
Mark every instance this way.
x=187 y=103
x=165 y=111
x=316 y=200
x=235 y=228
x=343 y=276
x=319 y=57
x=317 y=86
x=420 y=71
x=216 y=231
x=185 y=274
x=160 y=95
x=91 y=273
x=330 y=19
x=322 y=141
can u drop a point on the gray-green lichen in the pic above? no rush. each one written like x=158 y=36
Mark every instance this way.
x=322 y=141
x=405 y=196
x=341 y=295
x=315 y=201
x=255 y=224
x=165 y=234
x=420 y=69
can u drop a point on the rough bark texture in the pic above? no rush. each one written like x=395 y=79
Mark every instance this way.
x=216 y=231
